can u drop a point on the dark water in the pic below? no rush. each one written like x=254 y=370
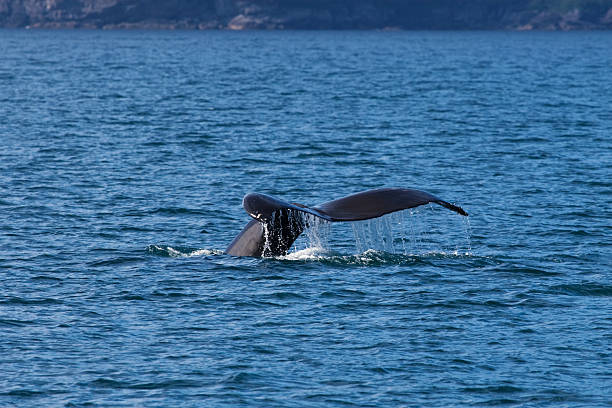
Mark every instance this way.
x=124 y=158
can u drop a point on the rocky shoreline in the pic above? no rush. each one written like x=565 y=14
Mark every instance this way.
x=308 y=14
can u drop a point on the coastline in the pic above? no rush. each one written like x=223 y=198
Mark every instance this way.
x=520 y=15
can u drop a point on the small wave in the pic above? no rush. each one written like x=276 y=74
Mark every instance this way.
x=43 y=278
x=178 y=211
x=14 y=322
x=24 y=301
x=30 y=393
x=170 y=384
x=116 y=261
x=583 y=289
x=502 y=389
x=241 y=377
x=177 y=252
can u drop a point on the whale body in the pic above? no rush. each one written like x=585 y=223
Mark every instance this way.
x=276 y=224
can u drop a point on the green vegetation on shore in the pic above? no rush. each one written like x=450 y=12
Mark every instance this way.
x=310 y=14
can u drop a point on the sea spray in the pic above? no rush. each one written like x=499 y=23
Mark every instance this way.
x=318 y=231
x=467 y=229
x=268 y=234
x=410 y=232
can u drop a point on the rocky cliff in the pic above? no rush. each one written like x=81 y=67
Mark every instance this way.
x=309 y=14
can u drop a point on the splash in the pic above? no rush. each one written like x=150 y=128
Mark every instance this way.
x=467 y=229
x=378 y=234
x=285 y=226
x=394 y=238
x=425 y=231
x=177 y=252
x=309 y=254
x=369 y=257
x=282 y=229
x=316 y=235
x=318 y=231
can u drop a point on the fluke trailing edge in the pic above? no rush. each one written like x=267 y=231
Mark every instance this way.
x=277 y=224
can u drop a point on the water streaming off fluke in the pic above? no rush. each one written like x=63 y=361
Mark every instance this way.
x=411 y=232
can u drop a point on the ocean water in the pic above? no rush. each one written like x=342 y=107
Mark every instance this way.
x=124 y=158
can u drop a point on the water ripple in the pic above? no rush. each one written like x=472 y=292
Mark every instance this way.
x=123 y=165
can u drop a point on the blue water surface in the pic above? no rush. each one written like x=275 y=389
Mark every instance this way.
x=124 y=158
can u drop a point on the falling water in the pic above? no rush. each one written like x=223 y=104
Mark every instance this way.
x=268 y=234
x=318 y=231
x=410 y=232
x=467 y=229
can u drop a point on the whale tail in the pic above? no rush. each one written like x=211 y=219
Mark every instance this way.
x=277 y=224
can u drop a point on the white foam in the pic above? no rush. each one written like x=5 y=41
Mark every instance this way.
x=201 y=252
x=308 y=254
x=177 y=253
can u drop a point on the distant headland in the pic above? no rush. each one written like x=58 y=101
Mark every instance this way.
x=310 y=14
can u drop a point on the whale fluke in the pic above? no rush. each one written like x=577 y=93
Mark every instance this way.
x=376 y=203
x=277 y=224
